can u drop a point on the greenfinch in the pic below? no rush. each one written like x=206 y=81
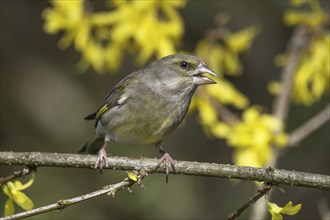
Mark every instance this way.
x=145 y=106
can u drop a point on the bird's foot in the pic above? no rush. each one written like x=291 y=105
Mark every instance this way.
x=102 y=160
x=168 y=162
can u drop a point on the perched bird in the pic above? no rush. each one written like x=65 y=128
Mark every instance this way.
x=145 y=106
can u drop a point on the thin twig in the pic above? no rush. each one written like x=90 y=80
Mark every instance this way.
x=308 y=127
x=274 y=177
x=226 y=114
x=16 y=174
x=261 y=192
x=61 y=204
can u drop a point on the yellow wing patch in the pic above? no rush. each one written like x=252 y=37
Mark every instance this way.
x=103 y=109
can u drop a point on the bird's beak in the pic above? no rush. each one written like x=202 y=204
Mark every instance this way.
x=200 y=79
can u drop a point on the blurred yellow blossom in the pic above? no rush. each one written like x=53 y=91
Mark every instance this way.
x=313 y=18
x=70 y=17
x=221 y=60
x=207 y=112
x=298 y=2
x=277 y=211
x=213 y=53
x=280 y=60
x=236 y=43
x=274 y=87
x=254 y=136
x=226 y=93
x=232 y=64
x=241 y=40
x=103 y=37
x=14 y=194
x=296 y=17
x=206 y=99
x=313 y=74
x=223 y=57
x=220 y=129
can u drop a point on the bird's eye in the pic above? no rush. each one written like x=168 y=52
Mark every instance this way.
x=184 y=64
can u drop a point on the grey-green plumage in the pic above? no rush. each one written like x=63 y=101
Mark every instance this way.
x=149 y=103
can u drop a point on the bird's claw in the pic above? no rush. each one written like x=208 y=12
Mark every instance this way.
x=102 y=160
x=168 y=162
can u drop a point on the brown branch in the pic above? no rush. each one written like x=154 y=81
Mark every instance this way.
x=16 y=174
x=226 y=114
x=261 y=192
x=308 y=127
x=274 y=177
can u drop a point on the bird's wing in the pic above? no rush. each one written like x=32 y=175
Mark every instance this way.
x=111 y=100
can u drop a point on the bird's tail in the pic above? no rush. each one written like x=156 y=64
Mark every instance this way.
x=92 y=144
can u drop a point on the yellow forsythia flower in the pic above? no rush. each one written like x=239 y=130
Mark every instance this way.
x=224 y=57
x=274 y=87
x=254 y=136
x=70 y=17
x=313 y=18
x=211 y=52
x=236 y=43
x=242 y=40
x=14 y=194
x=226 y=93
x=103 y=37
x=277 y=211
x=313 y=74
x=207 y=112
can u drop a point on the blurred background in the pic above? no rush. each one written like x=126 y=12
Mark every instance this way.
x=44 y=100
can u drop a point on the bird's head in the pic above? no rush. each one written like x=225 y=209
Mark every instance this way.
x=182 y=70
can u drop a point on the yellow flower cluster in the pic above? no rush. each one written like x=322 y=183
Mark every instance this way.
x=13 y=191
x=149 y=28
x=312 y=77
x=253 y=137
x=313 y=74
x=313 y=18
x=224 y=58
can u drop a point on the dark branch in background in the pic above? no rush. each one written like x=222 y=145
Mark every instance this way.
x=307 y=128
x=226 y=114
x=261 y=192
x=271 y=176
